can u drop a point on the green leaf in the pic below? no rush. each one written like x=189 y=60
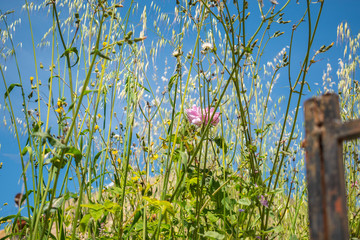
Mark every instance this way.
x=150 y=200
x=53 y=141
x=172 y=139
x=172 y=81
x=220 y=141
x=55 y=205
x=115 y=190
x=171 y=102
x=26 y=195
x=276 y=191
x=228 y=203
x=248 y=50
x=244 y=201
x=50 y=78
x=89 y=91
x=83 y=133
x=193 y=181
x=75 y=153
x=308 y=86
x=4 y=219
x=26 y=149
x=95 y=207
x=59 y=163
x=252 y=148
x=214 y=235
x=97 y=52
x=276 y=229
x=71 y=50
x=142 y=87
x=212 y=217
x=294 y=237
x=71 y=106
x=84 y=222
x=299 y=92
x=96 y=214
x=98 y=155
x=111 y=206
x=165 y=206
x=10 y=88
x=137 y=216
x=184 y=157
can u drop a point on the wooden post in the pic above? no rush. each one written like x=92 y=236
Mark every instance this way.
x=324 y=167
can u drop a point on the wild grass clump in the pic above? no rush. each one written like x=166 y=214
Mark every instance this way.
x=156 y=123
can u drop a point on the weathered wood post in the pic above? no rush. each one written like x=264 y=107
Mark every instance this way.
x=324 y=166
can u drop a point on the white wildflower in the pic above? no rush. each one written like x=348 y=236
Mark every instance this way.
x=207 y=46
x=177 y=53
x=81 y=88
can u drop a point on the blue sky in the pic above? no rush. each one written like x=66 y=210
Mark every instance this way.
x=334 y=13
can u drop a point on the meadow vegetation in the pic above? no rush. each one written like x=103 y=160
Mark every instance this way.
x=156 y=122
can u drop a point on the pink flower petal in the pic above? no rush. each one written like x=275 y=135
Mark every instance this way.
x=196 y=117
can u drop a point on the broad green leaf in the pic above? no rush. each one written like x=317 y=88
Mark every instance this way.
x=93 y=206
x=244 y=201
x=214 y=235
x=111 y=206
x=193 y=180
x=58 y=202
x=96 y=214
x=84 y=222
x=212 y=217
x=55 y=205
x=228 y=203
x=220 y=142
x=57 y=161
x=53 y=141
x=75 y=153
x=150 y=200
x=164 y=205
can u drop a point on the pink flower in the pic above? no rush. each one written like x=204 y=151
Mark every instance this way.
x=198 y=117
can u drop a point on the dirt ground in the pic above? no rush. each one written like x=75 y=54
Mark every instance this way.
x=2 y=233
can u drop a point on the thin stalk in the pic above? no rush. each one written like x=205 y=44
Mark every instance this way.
x=86 y=83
